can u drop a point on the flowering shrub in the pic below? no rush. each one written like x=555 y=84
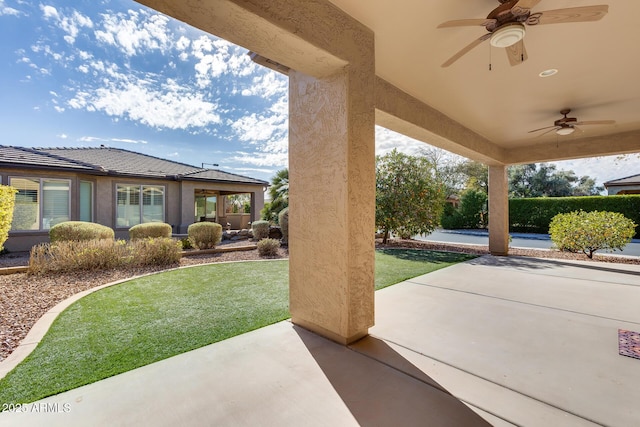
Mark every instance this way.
x=7 y=202
x=588 y=232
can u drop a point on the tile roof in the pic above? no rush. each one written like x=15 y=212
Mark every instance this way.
x=629 y=180
x=115 y=161
x=30 y=157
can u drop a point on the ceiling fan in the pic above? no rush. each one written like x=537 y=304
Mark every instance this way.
x=567 y=125
x=506 y=25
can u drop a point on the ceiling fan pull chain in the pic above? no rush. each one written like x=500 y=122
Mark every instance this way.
x=489 y=57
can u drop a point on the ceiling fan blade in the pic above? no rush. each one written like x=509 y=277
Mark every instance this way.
x=466 y=49
x=554 y=128
x=466 y=23
x=516 y=53
x=546 y=127
x=523 y=6
x=596 y=122
x=572 y=14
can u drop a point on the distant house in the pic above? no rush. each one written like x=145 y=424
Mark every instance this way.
x=627 y=185
x=117 y=188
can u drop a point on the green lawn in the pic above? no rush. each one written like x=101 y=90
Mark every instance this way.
x=152 y=318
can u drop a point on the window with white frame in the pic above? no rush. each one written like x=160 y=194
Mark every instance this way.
x=137 y=204
x=40 y=203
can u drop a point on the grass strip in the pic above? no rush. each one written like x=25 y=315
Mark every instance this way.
x=145 y=320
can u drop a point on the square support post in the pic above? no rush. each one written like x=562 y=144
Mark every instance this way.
x=332 y=203
x=498 y=210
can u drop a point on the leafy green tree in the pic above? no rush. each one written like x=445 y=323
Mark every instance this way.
x=588 y=232
x=544 y=180
x=409 y=198
x=472 y=212
x=279 y=194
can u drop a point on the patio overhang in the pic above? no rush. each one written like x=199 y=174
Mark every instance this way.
x=354 y=64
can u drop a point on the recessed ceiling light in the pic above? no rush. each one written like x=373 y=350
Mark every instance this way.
x=548 y=73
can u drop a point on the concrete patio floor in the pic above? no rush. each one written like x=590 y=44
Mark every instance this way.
x=501 y=341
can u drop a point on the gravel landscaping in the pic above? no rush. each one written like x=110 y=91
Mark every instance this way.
x=24 y=299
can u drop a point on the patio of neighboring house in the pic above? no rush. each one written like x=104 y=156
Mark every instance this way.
x=119 y=188
x=495 y=340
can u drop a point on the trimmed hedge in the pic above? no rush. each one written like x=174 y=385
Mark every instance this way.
x=79 y=231
x=204 y=235
x=150 y=229
x=534 y=215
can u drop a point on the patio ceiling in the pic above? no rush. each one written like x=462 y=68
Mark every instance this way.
x=598 y=67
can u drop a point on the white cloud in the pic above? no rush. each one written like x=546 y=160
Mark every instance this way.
x=92 y=139
x=129 y=141
x=168 y=106
x=262 y=159
x=135 y=32
x=62 y=136
x=58 y=108
x=267 y=85
x=69 y=24
x=603 y=169
x=387 y=140
x=6 y=10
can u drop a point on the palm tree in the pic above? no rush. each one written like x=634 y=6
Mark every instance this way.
x=279 y=194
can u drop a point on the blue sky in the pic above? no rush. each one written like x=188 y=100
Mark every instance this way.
x=84 y=73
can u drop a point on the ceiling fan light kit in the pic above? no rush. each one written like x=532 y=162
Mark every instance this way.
x=507 y=35
x=505 y=25
x=565 y=130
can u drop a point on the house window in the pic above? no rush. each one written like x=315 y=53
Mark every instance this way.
x=131 y=209
x=40 y=203
x=86 y=201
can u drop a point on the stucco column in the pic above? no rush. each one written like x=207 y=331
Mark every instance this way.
x=498 y=210
x=332 y=204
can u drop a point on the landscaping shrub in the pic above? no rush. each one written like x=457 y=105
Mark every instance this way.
x=268 y=247
x=155 y=251
x=7 y=201
x=283 y=220
x=588 y=232
x=186 y=243
x=150 y=229
x=78 y=231
x=260 y=229
x=63 y=256
x=205 y=235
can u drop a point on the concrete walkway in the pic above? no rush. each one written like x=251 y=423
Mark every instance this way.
x=501 y=341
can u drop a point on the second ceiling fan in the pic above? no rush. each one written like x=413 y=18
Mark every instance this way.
x=506 y=25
